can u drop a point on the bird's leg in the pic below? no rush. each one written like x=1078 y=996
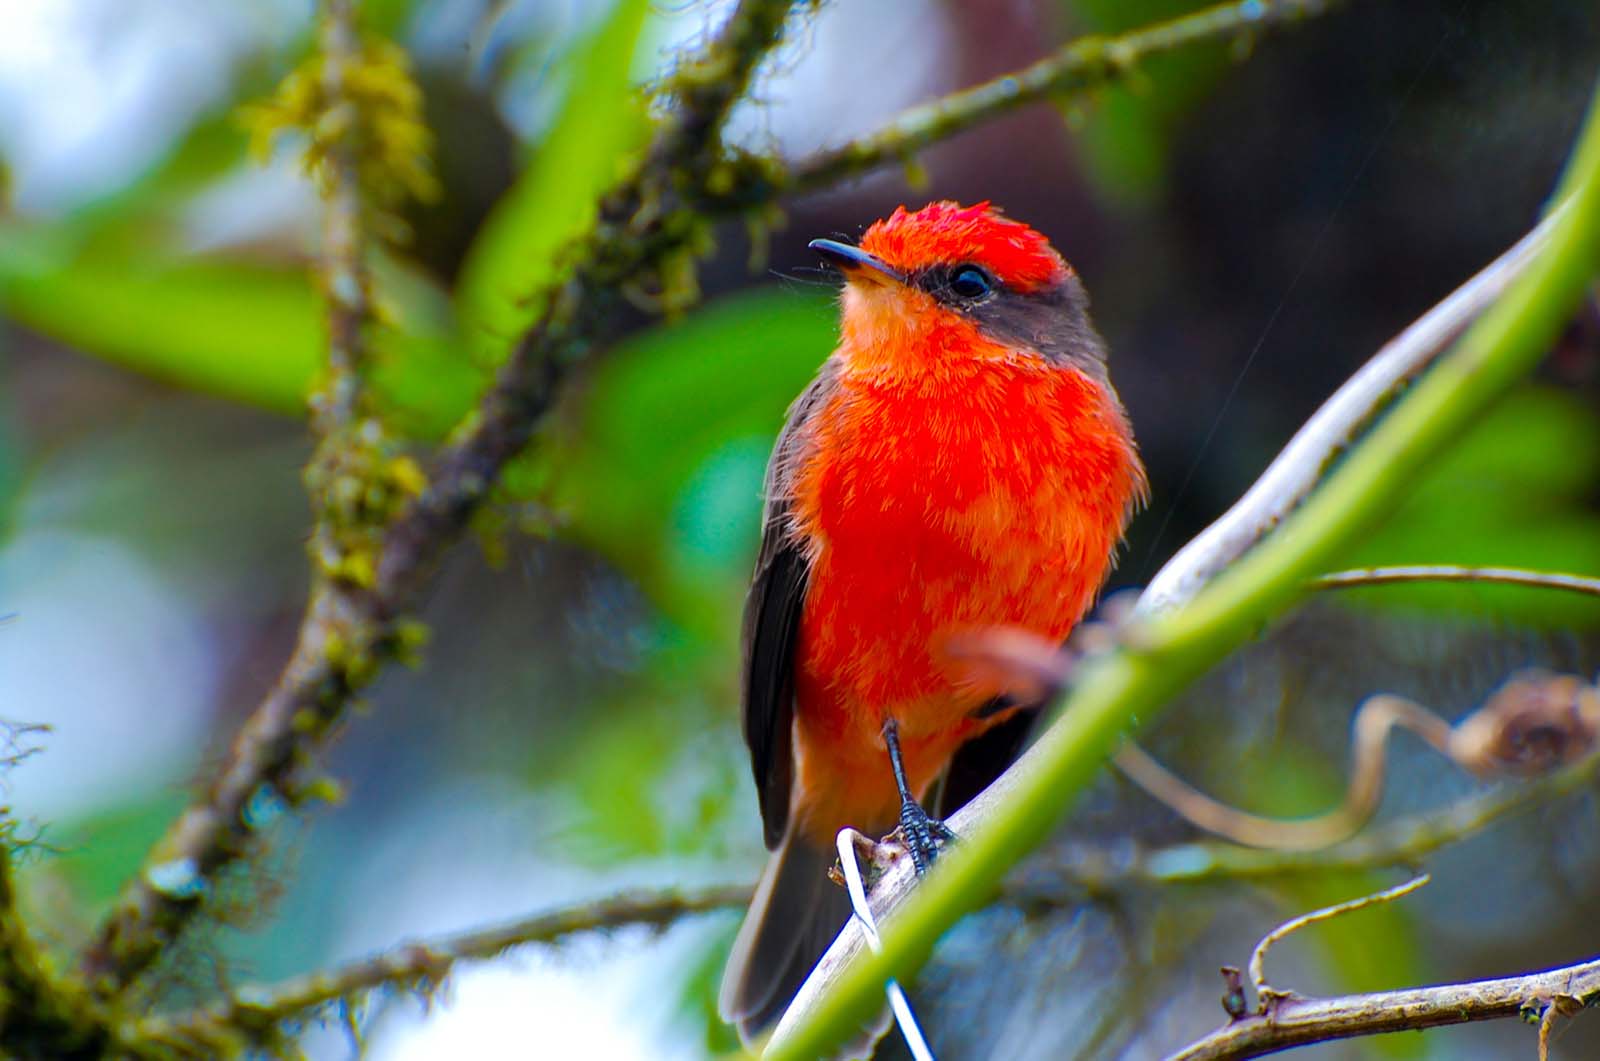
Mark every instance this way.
x=923 y=835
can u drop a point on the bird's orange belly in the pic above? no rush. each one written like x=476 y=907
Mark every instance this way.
x=925 y=533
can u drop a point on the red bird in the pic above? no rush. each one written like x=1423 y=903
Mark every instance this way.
x=961 y=463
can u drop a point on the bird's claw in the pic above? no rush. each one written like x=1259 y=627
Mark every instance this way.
x=923 y=836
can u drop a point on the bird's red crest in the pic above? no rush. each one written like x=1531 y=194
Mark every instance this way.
x=948 y=233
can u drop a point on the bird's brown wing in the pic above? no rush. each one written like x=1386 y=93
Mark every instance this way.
x=772 y=616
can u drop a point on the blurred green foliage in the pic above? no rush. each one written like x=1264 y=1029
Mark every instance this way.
x=1515 y=492
x=601 y=123
x=1125 y=134
x=661 y=467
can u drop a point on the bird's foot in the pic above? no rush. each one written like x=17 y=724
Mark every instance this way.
x=923 y=836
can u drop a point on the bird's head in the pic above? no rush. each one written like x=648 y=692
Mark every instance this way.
x=950 y=282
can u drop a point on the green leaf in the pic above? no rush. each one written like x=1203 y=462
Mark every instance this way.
x=660 y=467
x=516 y=253
x=1514 y=492
x=250 y=332
x=1127 y=131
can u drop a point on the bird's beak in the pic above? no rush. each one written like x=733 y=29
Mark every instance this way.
x=849 y=260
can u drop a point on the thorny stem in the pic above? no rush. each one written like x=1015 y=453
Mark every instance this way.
x=1266 y=994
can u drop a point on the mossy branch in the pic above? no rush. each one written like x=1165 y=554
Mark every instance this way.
x=356 y=621
x=1164 y=653
x=43 y=1013
x=422 y=966
x=1078 y=68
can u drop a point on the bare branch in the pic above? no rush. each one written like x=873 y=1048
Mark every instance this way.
x=1267 y=995
x=1293 y=1021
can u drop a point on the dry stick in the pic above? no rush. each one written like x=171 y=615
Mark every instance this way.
x=425 y=964
x=1293 y=1021
x=346 y=637
x=343 y=641
x=1266 y=995
x=1283 y=486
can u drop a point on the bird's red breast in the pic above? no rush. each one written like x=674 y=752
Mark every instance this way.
x=959 y=464
x=951 y=482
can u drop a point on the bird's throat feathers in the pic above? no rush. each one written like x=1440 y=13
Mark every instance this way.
x=892 y=334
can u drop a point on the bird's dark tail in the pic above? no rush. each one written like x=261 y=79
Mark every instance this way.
x=796 y=913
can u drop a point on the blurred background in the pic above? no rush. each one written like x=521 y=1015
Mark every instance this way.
x=1251 y=223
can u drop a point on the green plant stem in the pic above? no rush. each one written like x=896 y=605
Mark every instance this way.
x=1164 y=653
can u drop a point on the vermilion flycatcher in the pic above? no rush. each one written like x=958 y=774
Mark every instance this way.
x=961 y=463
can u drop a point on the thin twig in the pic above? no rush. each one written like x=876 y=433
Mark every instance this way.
x=425 y=964
x=1506 y=576
x=1077 y=68
x=1267 y=996
x=1298 y=1021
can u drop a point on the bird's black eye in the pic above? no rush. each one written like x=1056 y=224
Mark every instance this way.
x=970 y=282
